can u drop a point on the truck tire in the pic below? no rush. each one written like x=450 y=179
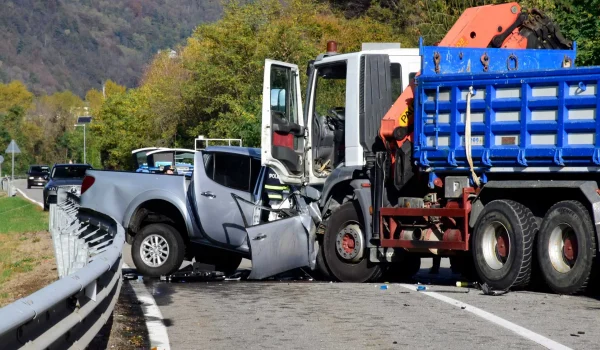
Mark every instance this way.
x=345 y=248
x=157 y=250
x=321 y=269
x=566 y=247
x=503 y=242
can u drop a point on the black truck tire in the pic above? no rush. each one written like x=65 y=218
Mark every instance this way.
x=566 y=247
x=321 y=269
x=158 y=236
x=347 y=218
x=503 y=242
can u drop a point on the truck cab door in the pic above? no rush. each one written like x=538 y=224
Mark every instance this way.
x=282 y=138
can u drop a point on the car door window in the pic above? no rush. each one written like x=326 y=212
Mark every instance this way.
x=229 y=170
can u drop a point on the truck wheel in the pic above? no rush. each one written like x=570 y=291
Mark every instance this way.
x=566 y=247
x=503 y=241
x=345 y=248
x=157 y=250
x=321 y=265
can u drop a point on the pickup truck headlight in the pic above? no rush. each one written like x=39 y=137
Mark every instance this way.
x=31 y=178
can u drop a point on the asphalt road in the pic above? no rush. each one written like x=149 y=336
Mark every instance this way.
x=307 y=314
x=34 y=193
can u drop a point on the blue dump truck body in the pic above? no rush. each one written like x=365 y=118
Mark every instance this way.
x=531 y=111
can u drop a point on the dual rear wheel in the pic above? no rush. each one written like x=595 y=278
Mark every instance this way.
x=503 y=245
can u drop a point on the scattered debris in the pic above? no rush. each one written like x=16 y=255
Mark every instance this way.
x=384 y=287
x=463 y=307
x=395 y=342
x=574 y=335
x=487 y=290
x=421 y=288
x=580 y=332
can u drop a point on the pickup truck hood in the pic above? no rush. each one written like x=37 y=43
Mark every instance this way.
x=66 y=182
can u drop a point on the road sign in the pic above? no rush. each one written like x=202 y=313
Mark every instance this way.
x=13 y=148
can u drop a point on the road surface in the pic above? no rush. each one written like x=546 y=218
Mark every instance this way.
x=308 y=314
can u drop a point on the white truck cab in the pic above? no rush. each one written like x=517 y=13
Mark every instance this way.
x=304 y=143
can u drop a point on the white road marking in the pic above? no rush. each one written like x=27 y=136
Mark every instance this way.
x=29 y=199
x=524 y=332
x=159 y=339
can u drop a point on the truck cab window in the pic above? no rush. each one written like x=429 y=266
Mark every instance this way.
x=329 y=106
x=229 y=170
x=283 y=94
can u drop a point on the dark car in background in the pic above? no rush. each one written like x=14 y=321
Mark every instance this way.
x=64 y=175
x=37 y=175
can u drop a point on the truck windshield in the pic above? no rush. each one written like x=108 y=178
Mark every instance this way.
x=69 y=172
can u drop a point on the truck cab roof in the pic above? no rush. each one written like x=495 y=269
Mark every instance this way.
x=246 y=151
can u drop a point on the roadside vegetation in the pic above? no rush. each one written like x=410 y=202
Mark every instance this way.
x=211 y=84
x=26 y=254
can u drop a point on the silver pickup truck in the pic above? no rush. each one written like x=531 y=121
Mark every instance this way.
x=214 y=216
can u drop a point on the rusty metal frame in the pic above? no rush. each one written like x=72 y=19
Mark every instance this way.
x=452 y=211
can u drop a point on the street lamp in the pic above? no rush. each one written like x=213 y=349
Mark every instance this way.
x=83 y=121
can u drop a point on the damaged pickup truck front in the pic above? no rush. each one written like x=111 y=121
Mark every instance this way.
x=215 y=216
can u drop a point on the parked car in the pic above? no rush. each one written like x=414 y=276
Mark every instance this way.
x=37 y=175
x=64 y=175
x=169 y=217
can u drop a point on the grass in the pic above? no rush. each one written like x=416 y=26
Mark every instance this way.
x=26 y=254
x=18 y=215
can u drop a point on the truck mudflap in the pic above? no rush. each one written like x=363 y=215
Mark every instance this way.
x=281 y=245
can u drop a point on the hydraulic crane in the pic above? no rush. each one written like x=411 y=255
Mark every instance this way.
x=494 y=26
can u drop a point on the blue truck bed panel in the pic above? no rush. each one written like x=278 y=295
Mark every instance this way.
x=544 y=119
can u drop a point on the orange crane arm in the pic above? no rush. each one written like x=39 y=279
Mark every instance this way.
x=504 y=25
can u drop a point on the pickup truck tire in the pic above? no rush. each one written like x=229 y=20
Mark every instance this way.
x=343 y=223
x=566 y=247
x=164 y=238
x=503 y=243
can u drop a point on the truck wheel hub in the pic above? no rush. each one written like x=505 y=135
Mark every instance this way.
x=154 y=250
x=495 y=245
x=562 y=248
x=349 y=243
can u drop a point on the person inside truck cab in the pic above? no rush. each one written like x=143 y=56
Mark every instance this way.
x=167 y=170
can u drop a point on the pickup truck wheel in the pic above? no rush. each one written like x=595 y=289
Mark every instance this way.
x=566 y=247
x=157 y=250
x=503 y=242
x=345 y=248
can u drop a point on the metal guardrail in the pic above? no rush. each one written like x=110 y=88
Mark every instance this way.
x=68 y=313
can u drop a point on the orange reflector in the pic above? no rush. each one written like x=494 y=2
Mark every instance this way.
x=365 y=184
x=371 y=210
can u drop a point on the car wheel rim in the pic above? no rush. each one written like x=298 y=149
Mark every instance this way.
x=349 y=243
x=562 y=248
x=496 y=245
x=154 y=250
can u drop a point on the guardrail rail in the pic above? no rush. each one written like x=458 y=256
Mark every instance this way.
x=69 y=313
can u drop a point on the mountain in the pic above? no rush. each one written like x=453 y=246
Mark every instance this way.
x=54 y=45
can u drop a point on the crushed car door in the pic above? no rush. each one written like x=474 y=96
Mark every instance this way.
x=276 y=246
x=282 y=139
x=222 y=174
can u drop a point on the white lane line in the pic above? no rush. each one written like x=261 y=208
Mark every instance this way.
x=524 y=332
x=29 y=199
x=159 y=339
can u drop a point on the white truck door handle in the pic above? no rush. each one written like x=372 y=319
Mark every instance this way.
x=260 y=237
x=208 y=194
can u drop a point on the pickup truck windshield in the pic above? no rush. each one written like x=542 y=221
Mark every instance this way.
x=69 y=172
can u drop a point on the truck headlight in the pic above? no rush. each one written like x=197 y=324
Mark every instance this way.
x=31 y=178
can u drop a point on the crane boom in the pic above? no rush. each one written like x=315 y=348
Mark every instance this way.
x=495 y=26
